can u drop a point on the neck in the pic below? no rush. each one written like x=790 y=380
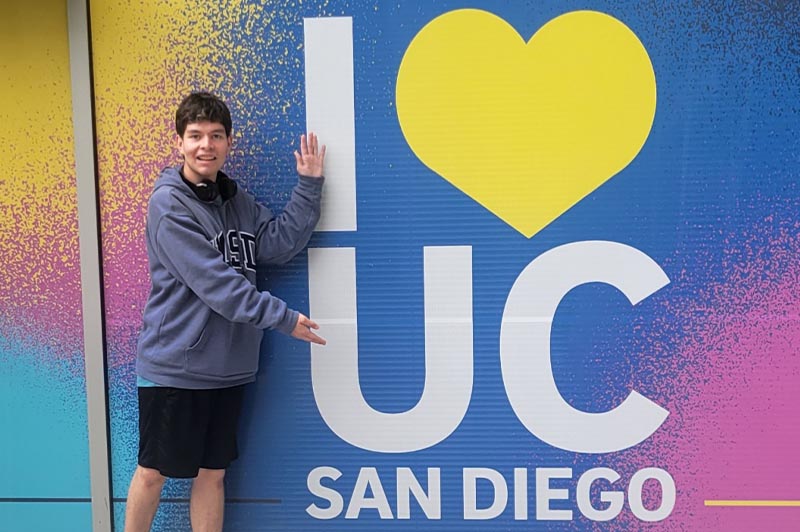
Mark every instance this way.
x=196 y=178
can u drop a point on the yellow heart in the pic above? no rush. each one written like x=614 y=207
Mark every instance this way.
x=526 y=130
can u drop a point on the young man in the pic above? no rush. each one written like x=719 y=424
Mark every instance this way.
x=204 y=318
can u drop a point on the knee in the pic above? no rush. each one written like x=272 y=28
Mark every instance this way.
x=213 y=477
x=150 y=478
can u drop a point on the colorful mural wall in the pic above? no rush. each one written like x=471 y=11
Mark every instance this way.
x=568 y=302
x=44 y=455
x=564 y=301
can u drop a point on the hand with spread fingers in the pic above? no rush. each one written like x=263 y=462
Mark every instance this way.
x=303 y=330
x=311 y=157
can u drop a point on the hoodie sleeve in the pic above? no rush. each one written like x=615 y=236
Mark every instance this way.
x=280 y=238
x=184 y=251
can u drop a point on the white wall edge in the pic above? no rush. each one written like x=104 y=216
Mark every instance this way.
x=91 y=276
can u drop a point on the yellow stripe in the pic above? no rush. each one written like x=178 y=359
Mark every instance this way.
x=752 y=503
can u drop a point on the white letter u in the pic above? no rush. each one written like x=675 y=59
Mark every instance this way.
x=448 y=352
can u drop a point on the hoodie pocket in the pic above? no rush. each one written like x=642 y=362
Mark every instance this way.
x=224 y=350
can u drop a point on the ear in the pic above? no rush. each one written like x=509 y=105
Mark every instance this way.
x=179 y=144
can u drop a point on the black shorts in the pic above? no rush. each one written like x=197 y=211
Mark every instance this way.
x=182 y=430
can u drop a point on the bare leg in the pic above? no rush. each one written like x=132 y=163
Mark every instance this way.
x=207 y=504
x=143 y=497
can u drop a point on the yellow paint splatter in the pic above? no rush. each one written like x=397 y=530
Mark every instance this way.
x=39 y=281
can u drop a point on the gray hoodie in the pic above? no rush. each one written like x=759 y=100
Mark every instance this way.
x=204 y=318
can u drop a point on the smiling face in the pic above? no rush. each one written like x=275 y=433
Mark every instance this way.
x=204 y=146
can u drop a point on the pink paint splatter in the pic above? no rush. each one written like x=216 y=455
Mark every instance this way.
x=730 y=384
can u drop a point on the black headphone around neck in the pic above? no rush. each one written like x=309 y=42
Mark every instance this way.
x=208 y=190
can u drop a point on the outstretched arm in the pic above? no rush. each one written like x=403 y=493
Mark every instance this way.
x=281 y=238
